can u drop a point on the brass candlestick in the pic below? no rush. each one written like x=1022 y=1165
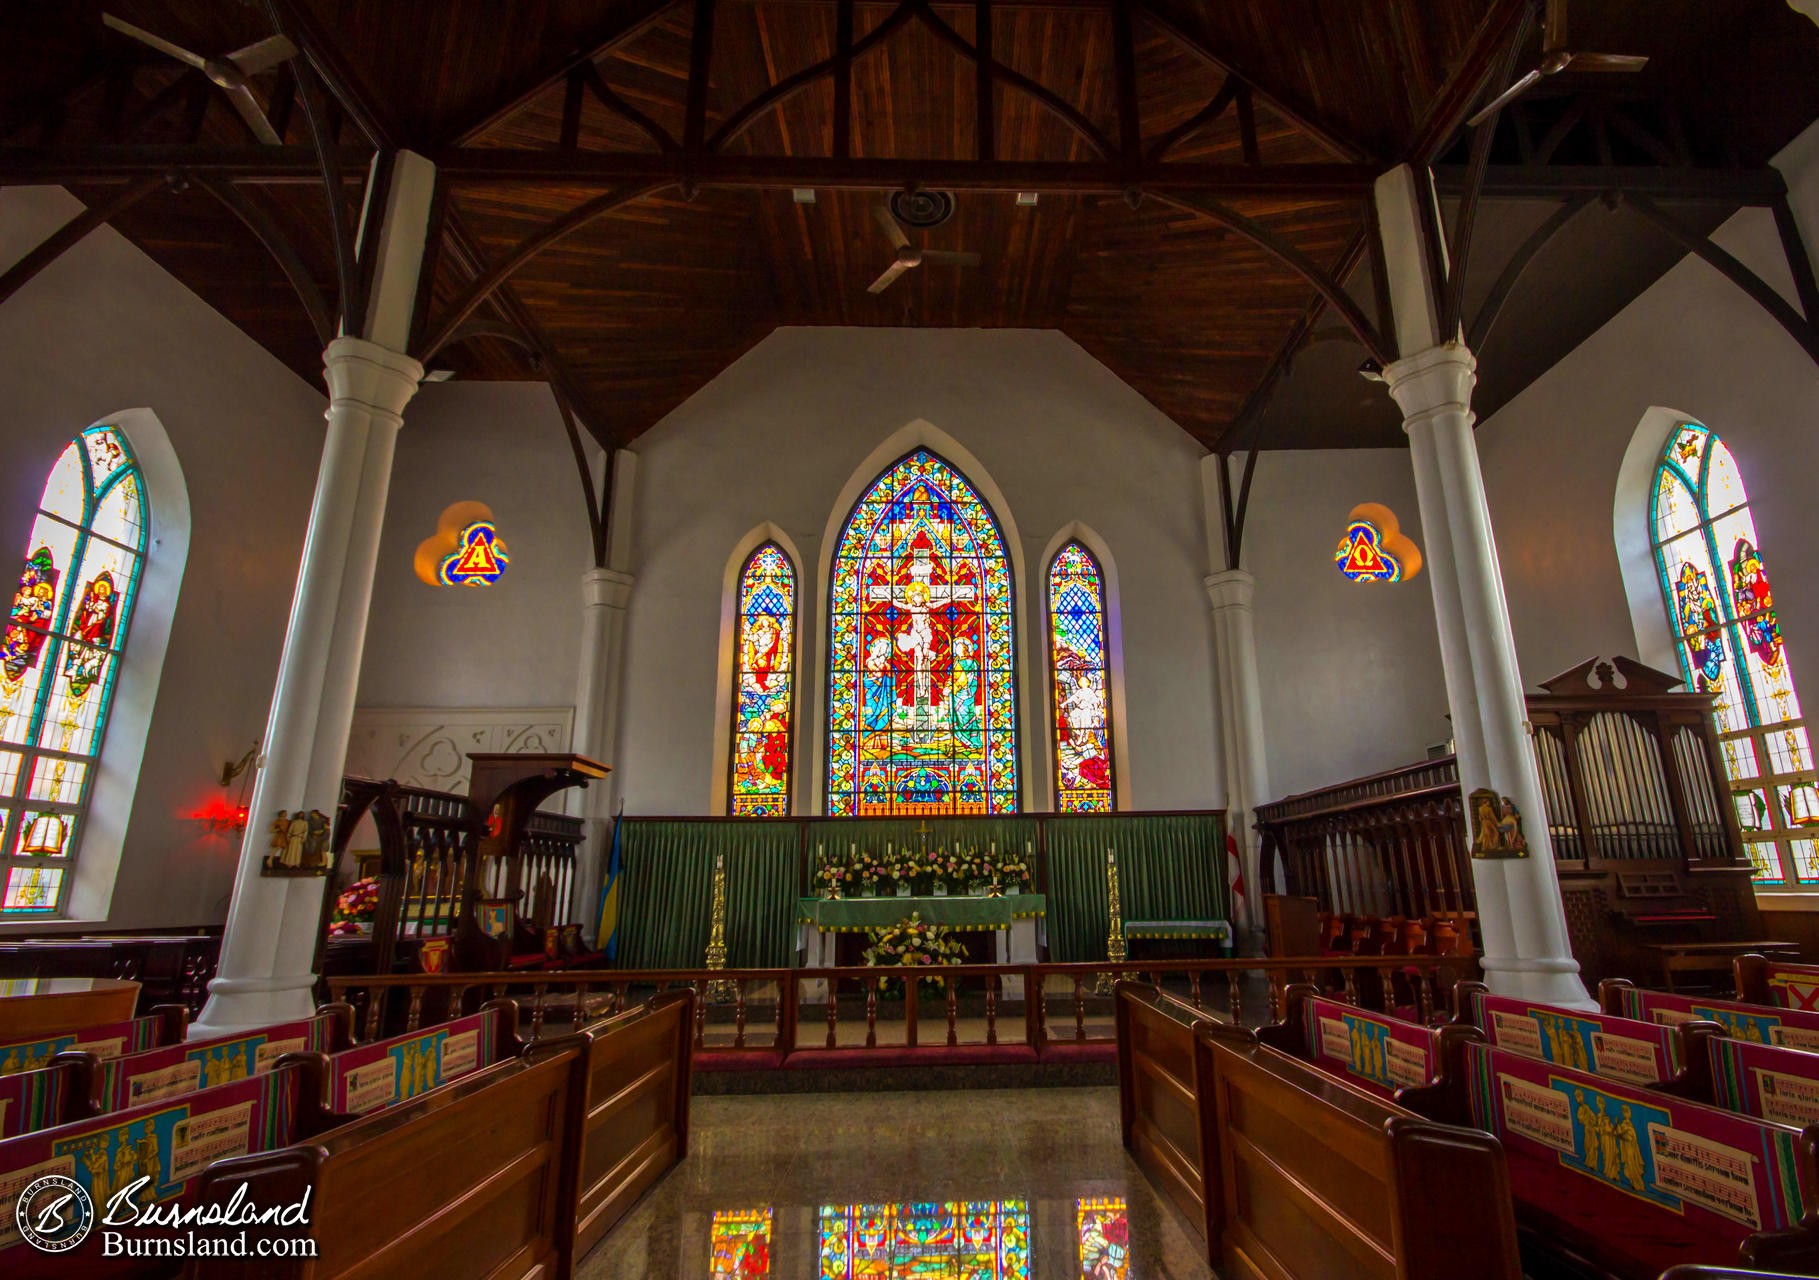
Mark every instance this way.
x=1114 y=937
x=719 y=990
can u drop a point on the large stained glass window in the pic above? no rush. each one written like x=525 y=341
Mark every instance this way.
x=764 y=685
x=741 y=1244
x=59 y=660
x=922 y=688
x=952 y=1240
x=1077 y=649
x=1729 y=642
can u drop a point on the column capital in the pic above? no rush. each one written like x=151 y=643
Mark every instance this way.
x=606 y=587
x=1433 y=383
x=377 y=379
x=1231 y=589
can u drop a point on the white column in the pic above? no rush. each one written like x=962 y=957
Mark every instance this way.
x=1521 y=920
x=266 y=953
x=1241 y=721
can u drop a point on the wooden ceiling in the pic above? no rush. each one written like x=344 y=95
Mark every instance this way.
x=640 y=307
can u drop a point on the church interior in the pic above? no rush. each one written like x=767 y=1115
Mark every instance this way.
x=567 y=546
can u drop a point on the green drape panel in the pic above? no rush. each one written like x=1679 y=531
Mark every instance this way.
x=666 y=896
x=1170 y=867
x=840 y=834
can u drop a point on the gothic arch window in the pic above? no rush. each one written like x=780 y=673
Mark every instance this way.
x=59 y=661
x=764 y=685
x=922 y=687
x=1729 y=643
x=1080 y=672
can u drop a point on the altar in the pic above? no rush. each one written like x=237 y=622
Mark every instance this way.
x=1015 y=921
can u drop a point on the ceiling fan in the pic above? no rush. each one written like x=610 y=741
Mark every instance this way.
x=908 y=255
x=229 y=72
x=1555 y=58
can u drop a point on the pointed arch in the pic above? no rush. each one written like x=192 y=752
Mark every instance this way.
x=741 y=704
x=102 y=565
x=1083 y=627
x=1713 y=585
x=922 y=705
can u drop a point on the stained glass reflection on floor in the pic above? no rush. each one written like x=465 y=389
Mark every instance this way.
x=988 y=1185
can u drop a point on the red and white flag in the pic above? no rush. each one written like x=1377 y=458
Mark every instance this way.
x=1237 y=872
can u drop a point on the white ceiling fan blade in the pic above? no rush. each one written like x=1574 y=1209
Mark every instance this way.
x=951 y=257
x=1607 y=62
x=263 y=55
x=254 y=115
x=1503 y=99
x=159 y=43
x=891 y=230
x=890 y=275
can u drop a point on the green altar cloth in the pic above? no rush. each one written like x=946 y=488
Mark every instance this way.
x=957 y=911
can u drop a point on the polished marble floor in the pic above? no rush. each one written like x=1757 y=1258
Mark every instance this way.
x=1001 y=1184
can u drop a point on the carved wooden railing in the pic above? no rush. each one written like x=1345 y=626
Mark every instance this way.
x=788 y=1012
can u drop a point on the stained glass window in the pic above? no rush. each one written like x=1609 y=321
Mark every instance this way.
x=741 y=1244
x=59 y=660
x=1105 y=1238
x=1077 y=649
x=922 y=686
x=1729 y=642
x=764 y=685
x=954 y=1240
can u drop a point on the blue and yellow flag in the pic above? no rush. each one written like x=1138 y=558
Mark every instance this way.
x=607 y=935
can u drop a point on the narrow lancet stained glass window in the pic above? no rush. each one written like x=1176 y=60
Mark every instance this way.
x=1083 y=730
x=922 y=688
x=764 y=685
x=59 y=660
x=1729 y=642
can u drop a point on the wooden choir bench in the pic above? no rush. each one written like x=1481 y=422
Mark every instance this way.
x=1301 y=1174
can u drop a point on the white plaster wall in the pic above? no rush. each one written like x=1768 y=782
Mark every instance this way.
x=1350 y=673
x=779 y=433
x=1696 y=344
x=105 y=329
x=515 y=644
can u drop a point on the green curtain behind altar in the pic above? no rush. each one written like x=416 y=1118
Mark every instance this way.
x=666 y=893
x=1170 y=867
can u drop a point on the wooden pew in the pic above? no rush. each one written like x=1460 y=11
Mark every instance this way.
x=1629 y=1049
x=1764 y=1081
x=1779 y=983
x=1760 y=1024
x=164 y=1025
x=167 y=1141
x=47 y=1097
x=636 y=1125
x=368 y=1077
x=1158 y=1101
x=185 y=1067
x=1616 y=1179
x=1374 y=1051
x=476 y=1178
x=1319 y=1180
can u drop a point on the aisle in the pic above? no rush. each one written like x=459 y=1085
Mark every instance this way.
x=1031 y=1164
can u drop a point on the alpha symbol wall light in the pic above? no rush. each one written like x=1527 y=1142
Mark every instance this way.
x=1374 y=548
x=465 y=551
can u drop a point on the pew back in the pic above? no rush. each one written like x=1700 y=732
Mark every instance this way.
x=1159 y=1103
x=47 y=1097
x=1630 y=1179
x=1759 y=1024
x=1623 y=1048
x=1322 y=1180
x=1779 y=1085
x=1373 y=1051
x=370 y=1076
x=163 y=1025
x=472 y=1179
x=177 y=1069
x=1777 y=982
x=636 y=1127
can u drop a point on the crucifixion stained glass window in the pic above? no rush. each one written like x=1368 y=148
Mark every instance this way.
x=764 y=685
x=1083 y=730
x=1729 y=641
x=59 y=661
x=922 y=688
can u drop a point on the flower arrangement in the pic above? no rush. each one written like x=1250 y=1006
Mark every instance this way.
x=355 y=907
x=907 y=871
x=912 y=944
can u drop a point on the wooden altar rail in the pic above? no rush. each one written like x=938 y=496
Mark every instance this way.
x=784 y=1014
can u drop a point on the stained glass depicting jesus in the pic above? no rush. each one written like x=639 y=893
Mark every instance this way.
x=922 y=691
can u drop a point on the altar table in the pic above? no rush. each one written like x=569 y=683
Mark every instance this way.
x=1014 y=919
